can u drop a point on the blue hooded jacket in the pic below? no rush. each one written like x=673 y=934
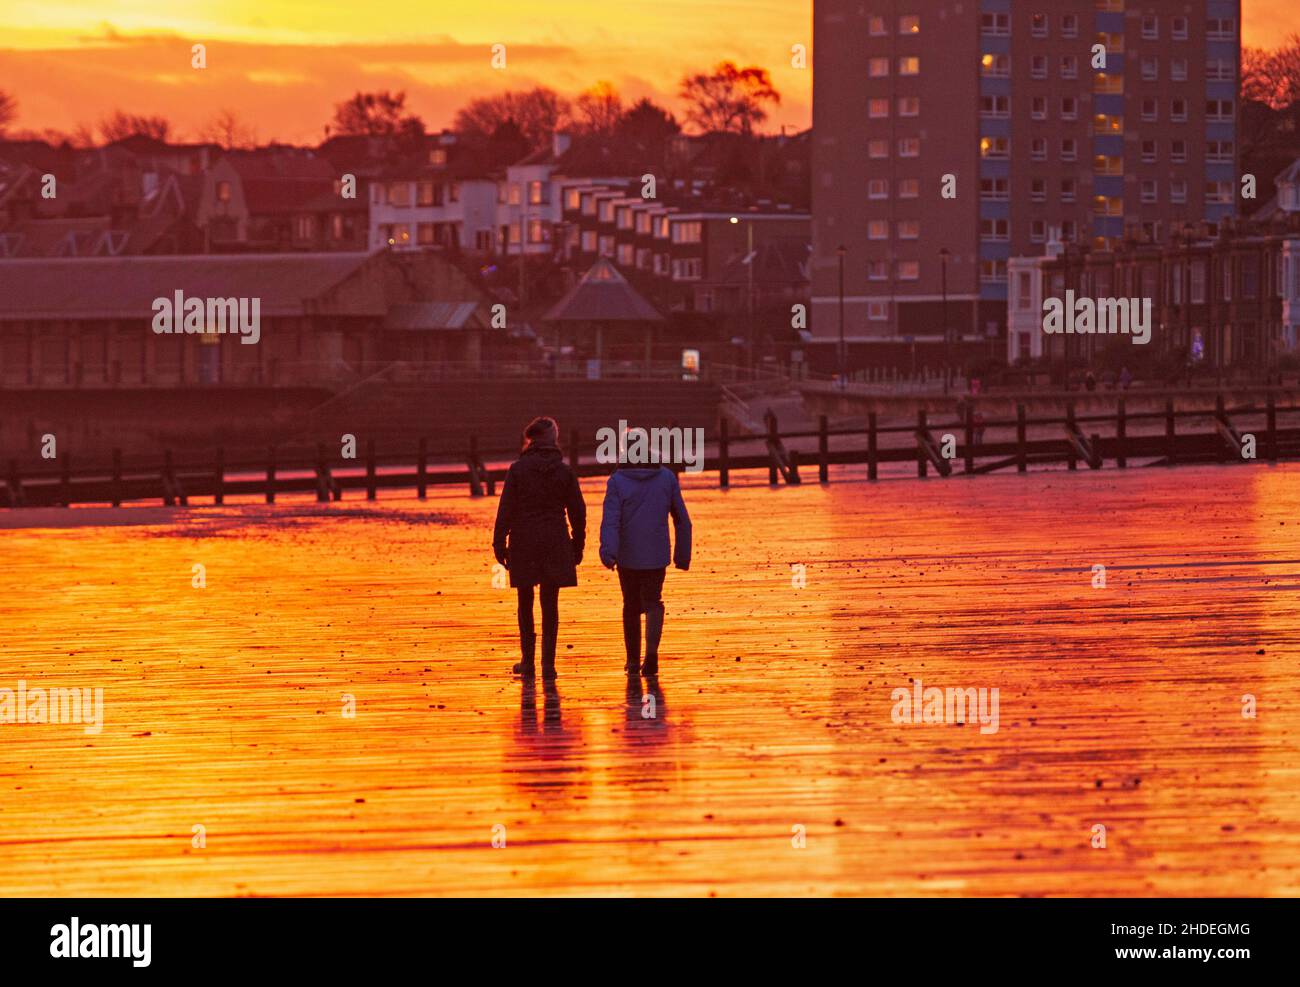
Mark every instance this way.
x=634 y=529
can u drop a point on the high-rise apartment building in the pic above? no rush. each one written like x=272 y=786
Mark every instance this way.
x=951 y=135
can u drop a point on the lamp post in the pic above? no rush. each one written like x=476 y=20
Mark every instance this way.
x=749 y=286
x=840 y=251
x=947 y=336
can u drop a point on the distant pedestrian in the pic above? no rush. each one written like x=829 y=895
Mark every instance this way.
x=533 y=542
x=634 y=539
x=1125 y=379
x=1090 y=381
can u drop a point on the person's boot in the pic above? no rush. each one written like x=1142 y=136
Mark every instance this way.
x=548 y=653
x=528 y=648
x=654 y=629
x=632 y=642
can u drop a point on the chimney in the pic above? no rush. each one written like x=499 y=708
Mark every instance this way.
x=559 y=143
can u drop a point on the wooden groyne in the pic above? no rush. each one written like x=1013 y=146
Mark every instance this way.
x=1238 y=433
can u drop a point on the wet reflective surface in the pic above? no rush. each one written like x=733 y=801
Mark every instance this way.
x=764 y=760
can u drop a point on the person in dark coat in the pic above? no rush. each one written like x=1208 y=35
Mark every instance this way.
x=533 y=542
x=634 y=539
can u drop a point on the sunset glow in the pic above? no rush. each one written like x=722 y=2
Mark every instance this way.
x=283 y=65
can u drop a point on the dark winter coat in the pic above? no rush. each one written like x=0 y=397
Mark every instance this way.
x=634 y=529
x=531 y=538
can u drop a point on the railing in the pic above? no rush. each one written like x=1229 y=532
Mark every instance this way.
x=937 y=445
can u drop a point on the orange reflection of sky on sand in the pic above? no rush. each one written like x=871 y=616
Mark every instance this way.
x=1119 y=707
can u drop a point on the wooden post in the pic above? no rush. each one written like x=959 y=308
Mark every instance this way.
x=370 y=469
x=270 y=475
x=823 y=451
x=793 y=478
x=471 y=463
x=1271 y=440
x=724 y=463
x=322 y=475
x=871 y=445
x=1121 y=435
x=1096 y=462
x=117 y=478
x=1022 y=452
x=922 y=467
x=169 y=496
x=970 y=437
x=65 y=481
x=1072 y=457
x=219 y=477
x=772 y=439
x=422 y=470
x=16 y=498
x=1222 y=419
x=1171 y=442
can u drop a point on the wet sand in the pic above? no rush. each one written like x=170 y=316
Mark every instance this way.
x=1119 y=707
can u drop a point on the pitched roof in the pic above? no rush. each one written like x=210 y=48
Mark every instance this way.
x=125 y=287
x=602 y=295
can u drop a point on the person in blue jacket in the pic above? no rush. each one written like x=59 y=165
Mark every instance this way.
x=634 y=538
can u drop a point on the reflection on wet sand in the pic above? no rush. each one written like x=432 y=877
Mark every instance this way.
x=764 y=759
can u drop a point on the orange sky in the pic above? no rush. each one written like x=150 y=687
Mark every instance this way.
x=283 y=64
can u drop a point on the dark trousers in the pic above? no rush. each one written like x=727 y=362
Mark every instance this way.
x=550 y=597
x=642 y=594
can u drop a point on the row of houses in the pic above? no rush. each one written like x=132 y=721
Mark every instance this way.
x=1227 y=299
x=694 y=221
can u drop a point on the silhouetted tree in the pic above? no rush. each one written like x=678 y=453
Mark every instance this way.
x=728 y=99
x=537 y=113
x=598 y=110
x=1272 y=77
x=378 y=114
x=121 y=125
x=229 y=131
x=645 y=129
x=8 y=110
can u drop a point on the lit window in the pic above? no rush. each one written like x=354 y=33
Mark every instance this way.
x=995 y=147
x=909 y=65
x=995 y=66
x=909 y=24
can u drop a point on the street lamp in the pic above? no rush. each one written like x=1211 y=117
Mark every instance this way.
x=944 y=254
x=840 y=251
x=749 y=283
